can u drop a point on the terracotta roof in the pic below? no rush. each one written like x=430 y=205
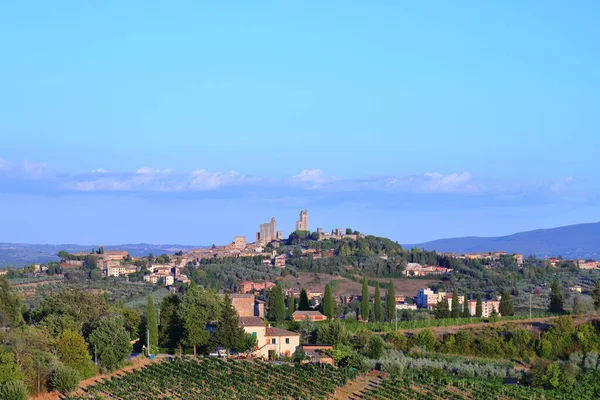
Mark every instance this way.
x=250 y=321
x=279 y=332
x=241 y=296
x=307 y=312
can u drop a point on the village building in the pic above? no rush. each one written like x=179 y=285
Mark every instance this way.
x=272 y=342
x=247 y=305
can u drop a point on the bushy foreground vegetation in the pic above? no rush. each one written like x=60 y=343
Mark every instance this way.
x=215 y=379
x=435 y=385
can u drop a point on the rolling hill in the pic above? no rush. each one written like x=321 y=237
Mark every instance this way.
x=573 y=241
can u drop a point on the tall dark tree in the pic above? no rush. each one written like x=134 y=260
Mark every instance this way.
x=291 y=306
x=170 y=328
x=506 y=304
x=378 y=313
x=277 y=304
x=304 y=304
x=479 y=306
x=556 y=298
x=390 y=302
x=152 y=324
x=328 y=303
x=229 y=334
x=455 y=313
x=466 y=313
x=596 y=295
x=365 y=304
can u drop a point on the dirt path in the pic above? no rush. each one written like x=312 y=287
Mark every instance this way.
x=137 y=363
x=356 y=389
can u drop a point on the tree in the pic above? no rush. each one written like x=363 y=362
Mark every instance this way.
x=291 y=306
x=229 y=334
x=390 y=302
x=328 y=304
x=111 y=341
x=455 y=313
x=440 y=310
x=506 y=304
x=196 y=309
x=72 y=350
x=152 y=326
x=249 y=343
x=365 y=304
x=378 y=309
x=556 y=298
x=170 y=328
x=375 y=347
x=277 y=304
x=333 y=332
x=9 y=370
x=596 y=295
x=13 y=390
x=479 y=306
x=306 y=329
x=64 y=379
x=466 y=313
x=10 y=305
x=304 y=304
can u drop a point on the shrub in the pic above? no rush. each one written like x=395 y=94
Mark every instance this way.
x=13 y=390
x=64 y=379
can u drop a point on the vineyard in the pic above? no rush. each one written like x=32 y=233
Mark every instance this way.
x=215 y=379
x=422 y=388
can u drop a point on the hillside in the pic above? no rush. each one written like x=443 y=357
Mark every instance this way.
x=573 y=241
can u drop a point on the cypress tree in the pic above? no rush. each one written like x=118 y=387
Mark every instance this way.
x=506 y=304
x=277 y=304
x=229 y=334
x=455 y=312
x=291 y=306
x=365 y=305
x=304 y=304
x=378 y=310
x=479 y=306
x=152 y=323
x=328 y=304
x=466 y=313
x=390 y=302
x=556 y=298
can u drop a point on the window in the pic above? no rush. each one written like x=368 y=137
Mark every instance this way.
x=273 y=341
x=254 y=334
x=287 y=340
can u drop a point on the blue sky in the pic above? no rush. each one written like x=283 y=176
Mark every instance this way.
x=192 y=122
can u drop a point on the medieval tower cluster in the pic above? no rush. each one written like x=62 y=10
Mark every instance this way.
x=268 y=231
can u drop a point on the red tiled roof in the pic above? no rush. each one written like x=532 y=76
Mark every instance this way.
x=307 y=312
x=250 y=321
x=279 y=332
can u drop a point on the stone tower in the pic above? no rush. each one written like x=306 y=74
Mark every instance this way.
x=302 y=223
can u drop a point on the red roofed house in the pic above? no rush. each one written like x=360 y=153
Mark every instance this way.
x=272 y=342
x=312 y=315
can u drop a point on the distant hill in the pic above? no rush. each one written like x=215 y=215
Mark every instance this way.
x=573 y=241
x=20 y=254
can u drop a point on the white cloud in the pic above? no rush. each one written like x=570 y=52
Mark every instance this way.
x=27 y=169
x=561 y=185
x=161 y=180
x=313 y=178
x=436 y=182
x=100 y=171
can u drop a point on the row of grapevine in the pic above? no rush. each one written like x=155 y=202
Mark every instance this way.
x=421 y=388
x=216 y=379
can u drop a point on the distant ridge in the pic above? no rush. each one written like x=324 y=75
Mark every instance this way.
x=21 y=254
x=573 y=241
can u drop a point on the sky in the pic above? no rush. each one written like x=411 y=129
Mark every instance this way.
x=190 y=122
